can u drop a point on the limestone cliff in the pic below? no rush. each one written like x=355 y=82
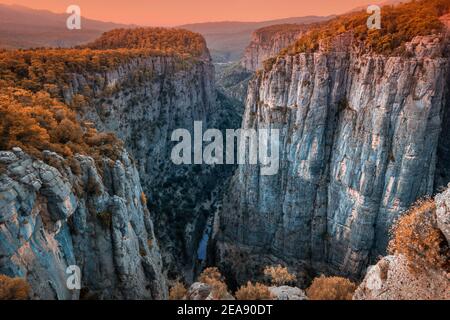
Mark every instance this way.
x=54 y=215
x=143 y=101
x=359 y=140
x=268 y=42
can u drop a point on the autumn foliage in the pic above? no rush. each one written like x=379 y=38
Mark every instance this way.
x=416 y=236
x=13 y=288
x=213 y=277
x=252 y=291
x=176 y=41
x=37 y=122
x=177 y=291
x=331 y=288
x=399 y=25
x=279 y=275
x=37 y=102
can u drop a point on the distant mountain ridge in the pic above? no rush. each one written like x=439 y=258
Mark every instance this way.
x=22 y=27
x=227 y=40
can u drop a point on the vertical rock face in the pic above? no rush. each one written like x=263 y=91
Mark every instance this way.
x=143 y=102
x=268 y=42
x=359 y=140
x=53 y=217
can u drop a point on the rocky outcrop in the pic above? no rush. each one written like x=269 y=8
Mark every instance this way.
x=359 y=139
x=287 y=293
x=59 y=214
x=268 y=42
x=392 y=279
x=199 y=291
x=443 y=213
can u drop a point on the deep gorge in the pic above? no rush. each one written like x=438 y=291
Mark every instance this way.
x=364 y=135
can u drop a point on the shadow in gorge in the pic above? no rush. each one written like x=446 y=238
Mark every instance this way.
x=231 y=83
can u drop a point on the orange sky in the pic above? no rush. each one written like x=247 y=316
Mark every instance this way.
x=175 y=12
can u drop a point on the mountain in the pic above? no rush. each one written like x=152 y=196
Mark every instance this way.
x=22 y=27
x=227 y=40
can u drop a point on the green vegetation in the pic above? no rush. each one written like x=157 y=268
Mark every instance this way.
x=399 y=25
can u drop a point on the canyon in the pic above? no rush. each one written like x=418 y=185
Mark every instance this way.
x=360 y=137
x=363 y=136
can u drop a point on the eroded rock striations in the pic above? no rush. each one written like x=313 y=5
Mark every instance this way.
x=56 y=216
x=268 y=42
x=143 y=101
x=359 y=140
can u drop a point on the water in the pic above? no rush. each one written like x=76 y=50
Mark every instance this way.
x=203 y=245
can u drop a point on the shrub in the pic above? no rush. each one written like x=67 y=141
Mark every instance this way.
x=178 y=291
x=279 y=275
x=105 y=218
x=93 y=186
x=331 y=288
x=3 y=168
x=251 y=291
x=13 y=288
x=210 y=274
x=213 y=277
x=416 y=236
x=143 y=199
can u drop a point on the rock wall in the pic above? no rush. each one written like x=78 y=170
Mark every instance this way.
x=268 y=42
x=359 y=140
x=143 y=102
x=60 y=215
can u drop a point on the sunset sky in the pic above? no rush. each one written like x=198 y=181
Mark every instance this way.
x=176 y=12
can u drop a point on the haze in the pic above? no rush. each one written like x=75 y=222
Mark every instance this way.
x=177 y=12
